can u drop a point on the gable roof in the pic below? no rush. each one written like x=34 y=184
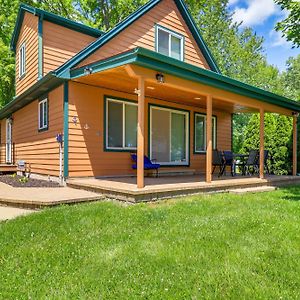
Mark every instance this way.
x=51 y=18
x=64 y=70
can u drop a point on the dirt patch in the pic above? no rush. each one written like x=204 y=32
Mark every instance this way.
x=19 y=181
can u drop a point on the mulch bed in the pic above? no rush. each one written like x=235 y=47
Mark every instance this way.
x=17 y=181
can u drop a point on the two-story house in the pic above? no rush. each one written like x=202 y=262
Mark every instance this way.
x=148 y=85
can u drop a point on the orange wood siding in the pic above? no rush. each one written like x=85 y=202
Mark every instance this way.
x=86 y=149
x=60 y=44
x=142 y=34
x=40 y=149
x=29 y=35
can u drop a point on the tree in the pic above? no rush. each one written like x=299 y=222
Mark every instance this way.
x=291 y=78
x=290 y=26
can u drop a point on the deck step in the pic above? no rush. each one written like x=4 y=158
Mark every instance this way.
x=258 y=189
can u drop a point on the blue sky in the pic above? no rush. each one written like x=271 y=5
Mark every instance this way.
x=262 y=15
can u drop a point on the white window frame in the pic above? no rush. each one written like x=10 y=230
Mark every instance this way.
x=22 y=60
x=123 y=102
x=187 y=123
x=214 y=138
x=171 y=33
x=45 y=122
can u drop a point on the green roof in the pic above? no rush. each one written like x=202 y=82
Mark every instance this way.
x=64 y=70
x=161 y=63
x=51 y=18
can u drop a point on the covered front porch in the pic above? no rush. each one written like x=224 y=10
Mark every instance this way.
x=163 y=92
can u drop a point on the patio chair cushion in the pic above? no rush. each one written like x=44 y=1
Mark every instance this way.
x=148 y=165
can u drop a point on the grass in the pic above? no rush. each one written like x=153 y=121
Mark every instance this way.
x=212 y=246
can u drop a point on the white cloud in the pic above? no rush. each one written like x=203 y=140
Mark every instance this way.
x=277 y=40
x=256 y=12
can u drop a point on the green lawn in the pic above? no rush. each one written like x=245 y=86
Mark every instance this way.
x=213 y=246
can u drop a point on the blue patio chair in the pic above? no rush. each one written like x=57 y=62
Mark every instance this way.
x=148 y=164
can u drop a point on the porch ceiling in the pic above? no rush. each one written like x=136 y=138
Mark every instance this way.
x=118 y=79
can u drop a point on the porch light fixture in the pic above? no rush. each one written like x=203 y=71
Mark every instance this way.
x=160 y=78
x=88 y=71
x=197 y=98
x=150 y=88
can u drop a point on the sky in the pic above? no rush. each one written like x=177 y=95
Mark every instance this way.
x=262 y=16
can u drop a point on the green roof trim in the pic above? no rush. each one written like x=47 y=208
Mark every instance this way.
x=197 y=35
x=64 y=70
x=48 y=16
x=41 y=87
x=156 y=61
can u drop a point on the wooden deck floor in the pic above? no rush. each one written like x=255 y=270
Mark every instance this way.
x=168 y=187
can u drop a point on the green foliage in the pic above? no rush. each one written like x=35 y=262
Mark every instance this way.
x=291 y=78
x=290 y=26
x=278 y=132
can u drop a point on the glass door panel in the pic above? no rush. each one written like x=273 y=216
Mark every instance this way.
x=160 y=135
x=178 y=137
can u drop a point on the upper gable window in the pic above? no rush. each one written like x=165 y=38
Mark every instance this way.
x=22 y=60
x=169 y=43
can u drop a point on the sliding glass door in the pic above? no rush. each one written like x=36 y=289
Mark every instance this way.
x=169 y=136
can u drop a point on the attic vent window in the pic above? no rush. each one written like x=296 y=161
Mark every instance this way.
x=169 y=43
x=22 y=60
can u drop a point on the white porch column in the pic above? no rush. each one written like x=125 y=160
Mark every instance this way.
x=262 y=144
x=295 y=145
x=208 y=138
x=141 y=133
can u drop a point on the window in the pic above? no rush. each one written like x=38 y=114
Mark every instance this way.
x=22 y=60
x=169 y=43
x=200 y=133
x=169 y=139
x=43 y=114
x=121 y=125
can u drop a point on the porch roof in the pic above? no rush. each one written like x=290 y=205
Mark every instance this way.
x=161 y=63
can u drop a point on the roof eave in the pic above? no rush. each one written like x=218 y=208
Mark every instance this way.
x=52 y=18
x=36 y=91
x=153 y=60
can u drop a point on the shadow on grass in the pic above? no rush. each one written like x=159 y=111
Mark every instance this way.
x=291 y=193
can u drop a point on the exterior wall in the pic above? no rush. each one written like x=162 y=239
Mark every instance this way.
x=86 y=149
x=2 y=140
x=142 y=34
x=40 y=149
x=29 y=35
x=60 y=44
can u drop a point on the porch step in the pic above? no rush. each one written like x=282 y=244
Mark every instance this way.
x=258 y=189
x=171 y=172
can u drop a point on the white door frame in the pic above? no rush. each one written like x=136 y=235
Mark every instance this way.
x=8 y=146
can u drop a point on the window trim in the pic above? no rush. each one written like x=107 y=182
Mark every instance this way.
x=123 y=101
x=40 y=103
x=22 y=60
x=176 y=110
x=171 y=33
x=215 y=139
